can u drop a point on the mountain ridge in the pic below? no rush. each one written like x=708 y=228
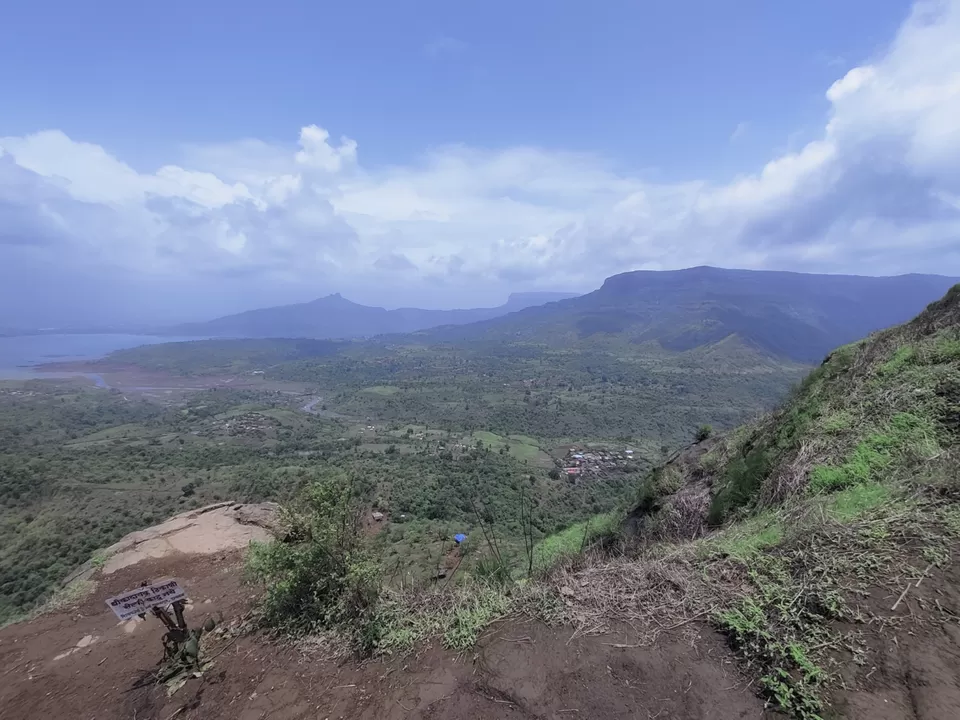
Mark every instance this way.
x=798 y=316
x=334 y=316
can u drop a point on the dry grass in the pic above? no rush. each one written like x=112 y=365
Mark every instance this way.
x=456 y=615
x=778 y=597
x=790 y=479
x=650 y=593
x=684 y=514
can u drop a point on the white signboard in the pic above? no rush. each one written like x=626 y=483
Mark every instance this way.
x=134 y=602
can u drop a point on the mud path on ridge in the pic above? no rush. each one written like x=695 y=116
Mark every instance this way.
x=82 y=663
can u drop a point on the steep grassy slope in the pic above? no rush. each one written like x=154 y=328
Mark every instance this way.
x=885 y=409
x=811 y=526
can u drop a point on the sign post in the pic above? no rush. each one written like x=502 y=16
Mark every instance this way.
x=181 y=645
x=137 y=602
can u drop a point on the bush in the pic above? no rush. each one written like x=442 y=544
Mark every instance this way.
x=323 y=577
x=740 y=485
x=703 y=432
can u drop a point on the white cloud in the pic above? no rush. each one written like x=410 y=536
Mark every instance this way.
x=876 y=192
x=857 y=78
x=317 y=153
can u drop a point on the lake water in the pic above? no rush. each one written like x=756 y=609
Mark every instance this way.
x=19 y=354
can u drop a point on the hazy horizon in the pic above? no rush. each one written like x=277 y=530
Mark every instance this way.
x=147 y=324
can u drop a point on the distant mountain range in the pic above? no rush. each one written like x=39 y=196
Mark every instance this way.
x=794 y=316
x=334 y=316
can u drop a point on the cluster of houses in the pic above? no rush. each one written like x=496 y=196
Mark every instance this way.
x=252 y=423
x=594 y=462
x=17 y=393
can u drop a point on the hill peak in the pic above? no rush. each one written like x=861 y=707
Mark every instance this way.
x=941 y=313
x=332 y=299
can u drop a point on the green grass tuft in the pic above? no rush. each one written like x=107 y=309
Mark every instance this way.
x=837 y=422
x=852 y=502
x=471 y=617
x=571 y=541
x=946 y=350
x=903 y=357
x=457 y=616
x=907 y=437
x=745 y=539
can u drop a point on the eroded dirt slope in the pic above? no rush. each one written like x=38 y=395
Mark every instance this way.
x=82 y=663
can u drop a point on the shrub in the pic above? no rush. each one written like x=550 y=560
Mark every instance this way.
x=703 y=432
x=741 y=483
x=323 y=577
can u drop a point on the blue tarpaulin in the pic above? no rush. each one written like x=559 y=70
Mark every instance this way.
x=459 y=537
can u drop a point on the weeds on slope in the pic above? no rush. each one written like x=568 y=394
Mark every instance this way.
x=778 y=594
x=455 y=616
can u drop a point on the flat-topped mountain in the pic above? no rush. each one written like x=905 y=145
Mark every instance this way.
x=796 y=316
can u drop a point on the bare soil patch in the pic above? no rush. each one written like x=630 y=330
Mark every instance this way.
x=910 y=666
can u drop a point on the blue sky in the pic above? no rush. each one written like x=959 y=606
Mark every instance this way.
x=655 y=86
x=443 y=153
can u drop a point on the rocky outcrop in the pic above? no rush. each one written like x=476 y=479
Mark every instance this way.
x=264 y=515
x=217 y=528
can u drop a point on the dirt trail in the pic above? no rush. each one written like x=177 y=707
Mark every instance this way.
x=82 y=663
x=909 y=670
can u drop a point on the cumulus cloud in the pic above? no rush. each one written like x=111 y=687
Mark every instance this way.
x=878 y=191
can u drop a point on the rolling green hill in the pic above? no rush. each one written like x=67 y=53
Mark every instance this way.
x=649 y=355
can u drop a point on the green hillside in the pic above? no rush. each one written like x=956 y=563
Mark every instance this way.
x=802 y=534
x=882 y=410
